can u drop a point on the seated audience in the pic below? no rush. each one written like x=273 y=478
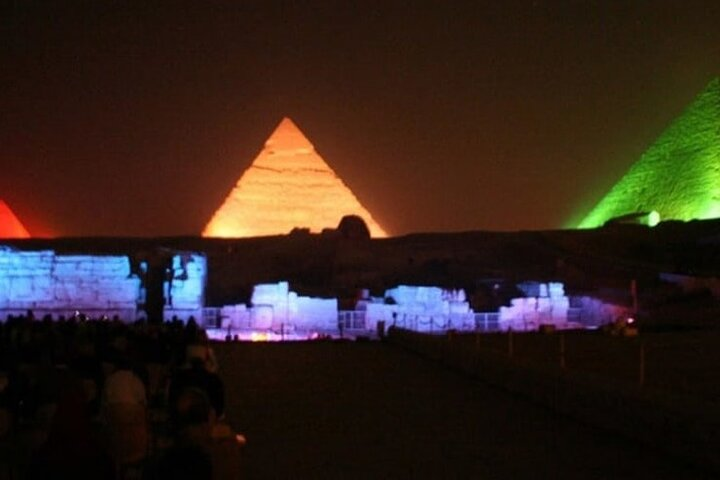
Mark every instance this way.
x=74 y=449
x=197 y=376
x=74 y=399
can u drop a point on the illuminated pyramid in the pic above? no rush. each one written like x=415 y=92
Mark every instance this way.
x=287 y=186
x=10 y=226
x=678 y=177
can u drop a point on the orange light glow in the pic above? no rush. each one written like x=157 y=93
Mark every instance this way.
x=287 y=186
x=259 y=337
x=10 y=226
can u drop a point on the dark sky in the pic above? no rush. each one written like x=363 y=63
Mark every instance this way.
x=137 y=118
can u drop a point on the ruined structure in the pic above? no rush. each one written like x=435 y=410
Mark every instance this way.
x=678 y=177
x=48 y=283
x=287 y=186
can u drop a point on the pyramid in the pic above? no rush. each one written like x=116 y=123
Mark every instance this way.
x=287 y=186
x=10 y=226
x=678 y=177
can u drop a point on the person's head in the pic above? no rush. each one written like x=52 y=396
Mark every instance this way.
x=193 y=411
x=195 y=352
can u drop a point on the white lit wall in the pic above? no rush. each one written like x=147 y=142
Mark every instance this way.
x=61 y=284
x=185 y=292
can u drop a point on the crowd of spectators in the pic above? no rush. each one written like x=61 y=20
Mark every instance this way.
x=82 y=398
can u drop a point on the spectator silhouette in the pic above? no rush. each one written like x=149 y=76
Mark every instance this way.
x=197 y=376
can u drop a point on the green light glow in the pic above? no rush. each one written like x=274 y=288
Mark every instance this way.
x=678 y=177
x=653 y=218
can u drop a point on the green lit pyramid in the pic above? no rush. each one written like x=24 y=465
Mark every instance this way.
x=678 y=177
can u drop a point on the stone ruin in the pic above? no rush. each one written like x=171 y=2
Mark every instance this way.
x=274 y=307
x=418 y=308
x=95 y=285
x=110 y=285
x=47 y=283
x=543 y=304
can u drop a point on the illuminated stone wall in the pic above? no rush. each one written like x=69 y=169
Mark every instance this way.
x=544 y=304
x=274 y=307
x=95 y=285
x=60 y=284
x=419 y=308
x=287 y=186
x=679 y=175
x=547 y=304
x=432 y=309
x=235 y=316
x=185 y=294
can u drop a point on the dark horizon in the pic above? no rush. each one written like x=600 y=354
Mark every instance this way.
x=136 y=119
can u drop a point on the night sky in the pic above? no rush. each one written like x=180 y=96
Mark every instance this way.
x=137 y=118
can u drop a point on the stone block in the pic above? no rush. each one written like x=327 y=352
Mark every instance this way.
x=262 y=316
x=21 y=288
x=556 y=289
x=270 y=293
x=317 y=313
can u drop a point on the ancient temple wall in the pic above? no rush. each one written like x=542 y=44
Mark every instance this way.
x=185 y=294
x=47 y=283
x=544 y=304
x=317 y=313
x=275 y=307
x=420 y=308
x=547 y=304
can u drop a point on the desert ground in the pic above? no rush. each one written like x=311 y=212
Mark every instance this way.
x=373 y=410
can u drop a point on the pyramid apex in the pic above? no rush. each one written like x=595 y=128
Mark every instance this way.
x=287 y=136
x=10 y=226
x=677 y=177
x=287 y=186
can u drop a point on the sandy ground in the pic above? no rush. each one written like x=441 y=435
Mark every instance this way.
x=367 y=410
x=679 y=363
